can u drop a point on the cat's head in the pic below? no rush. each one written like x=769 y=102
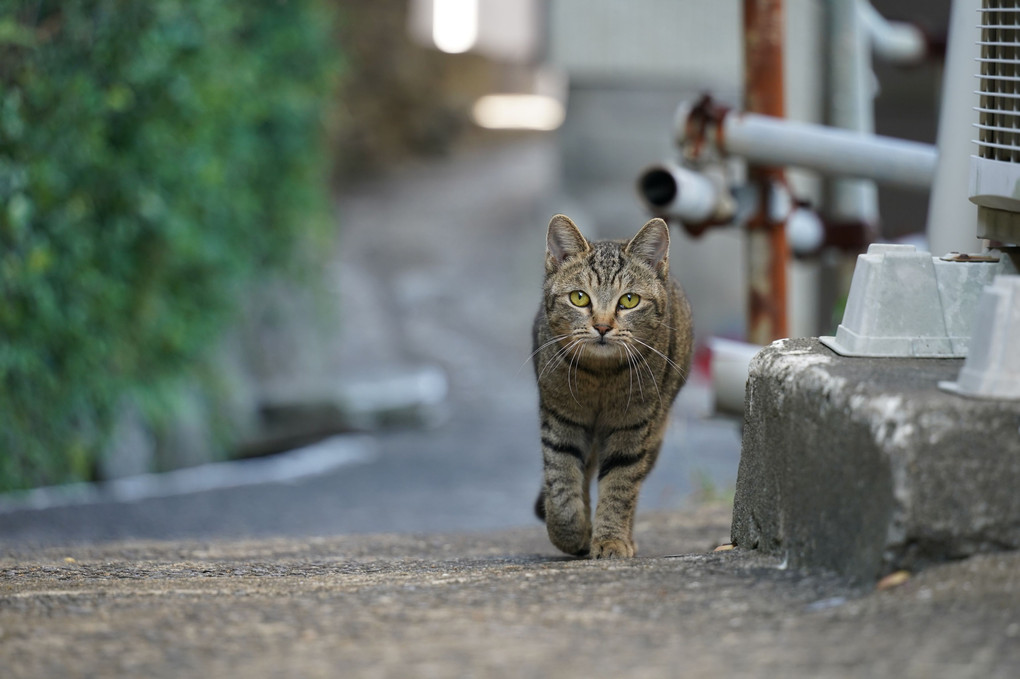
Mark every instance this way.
x=606 y=294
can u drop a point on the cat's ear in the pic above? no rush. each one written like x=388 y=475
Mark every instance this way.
x=563 y=240
x=651 y=245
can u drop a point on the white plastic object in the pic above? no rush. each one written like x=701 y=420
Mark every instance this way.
x=804 y=231
x=992 y=368
x=730 y=361
x=907 y=303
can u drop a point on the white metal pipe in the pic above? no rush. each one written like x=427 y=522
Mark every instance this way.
x=896 y=42
x=670 y=189
x=779 y=141
x=851 y=104
x=952 y=218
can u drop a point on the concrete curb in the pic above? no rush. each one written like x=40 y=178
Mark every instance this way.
x=308 y=461
x=863 y=466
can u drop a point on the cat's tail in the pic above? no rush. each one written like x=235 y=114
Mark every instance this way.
x=540 y=505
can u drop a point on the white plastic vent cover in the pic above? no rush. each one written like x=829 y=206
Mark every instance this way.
x=995 y=169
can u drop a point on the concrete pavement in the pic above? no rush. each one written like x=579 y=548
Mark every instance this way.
x=495 y=604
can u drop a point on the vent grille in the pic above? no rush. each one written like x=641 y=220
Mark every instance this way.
x=999 y=105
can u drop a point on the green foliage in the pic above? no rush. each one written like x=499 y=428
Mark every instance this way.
x=156 y=157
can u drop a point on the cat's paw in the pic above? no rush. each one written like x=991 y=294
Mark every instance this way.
x=613 y=548
x=573 y=544
x=570 y=537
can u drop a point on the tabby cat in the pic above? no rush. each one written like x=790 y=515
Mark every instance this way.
x=612 y=347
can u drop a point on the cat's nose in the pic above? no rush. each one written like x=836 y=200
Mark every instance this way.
x=602 y=328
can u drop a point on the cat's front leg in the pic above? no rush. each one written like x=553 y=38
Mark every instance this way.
x=565 y=496
x=625 y=463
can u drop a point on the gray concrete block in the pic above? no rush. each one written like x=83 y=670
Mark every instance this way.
x=864 y=466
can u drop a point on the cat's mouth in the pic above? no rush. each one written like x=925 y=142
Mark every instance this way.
x=603 y=345
x=595 y=345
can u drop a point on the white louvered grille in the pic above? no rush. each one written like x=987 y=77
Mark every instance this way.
x=999 y=105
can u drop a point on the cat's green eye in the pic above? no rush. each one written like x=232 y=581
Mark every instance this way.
x=629 y=301
x=580 y=298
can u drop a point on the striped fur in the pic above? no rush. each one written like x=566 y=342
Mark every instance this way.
x=607 y=376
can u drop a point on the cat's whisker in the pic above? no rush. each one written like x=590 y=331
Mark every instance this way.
x=557 y=359
x=575 y=359
x=651 y=374
x=667 y=359
x=621 y=349
x=562 y=356
x=552 y=341
x=631 y=364
x=658 y=392
x=552 y=363
x=534 y=353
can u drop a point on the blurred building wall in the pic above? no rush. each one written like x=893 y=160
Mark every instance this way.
x=647 y=40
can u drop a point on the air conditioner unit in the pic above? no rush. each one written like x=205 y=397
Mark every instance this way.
x=995 y=169
x=992 y=368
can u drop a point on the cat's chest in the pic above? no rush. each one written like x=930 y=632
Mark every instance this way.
x=604 y=388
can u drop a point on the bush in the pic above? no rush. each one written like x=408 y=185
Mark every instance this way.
x=156 y=157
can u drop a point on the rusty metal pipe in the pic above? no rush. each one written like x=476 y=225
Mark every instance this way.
x=767 y=251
